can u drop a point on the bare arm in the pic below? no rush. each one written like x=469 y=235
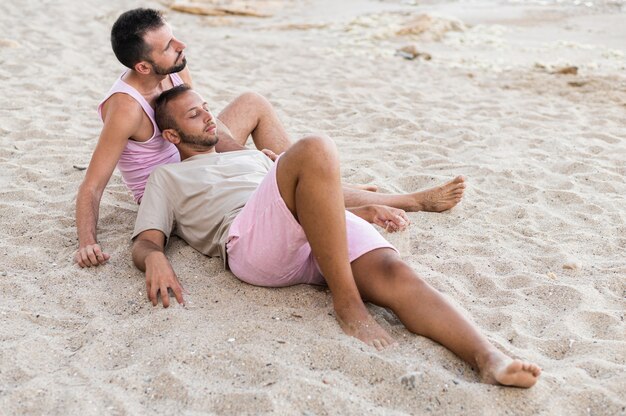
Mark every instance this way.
x=391 y=219
x=149 y=257
x=122 y=119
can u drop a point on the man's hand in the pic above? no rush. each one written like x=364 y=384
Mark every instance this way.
x=391 y=219
x=149 y=257
x=267 y=152
x=90 y=255
x=160 y=277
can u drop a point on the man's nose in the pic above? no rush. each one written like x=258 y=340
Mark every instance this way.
x=180 y=45
x=207 y=116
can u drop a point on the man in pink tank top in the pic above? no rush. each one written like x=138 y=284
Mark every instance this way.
x=130 y=139
x=143 y=42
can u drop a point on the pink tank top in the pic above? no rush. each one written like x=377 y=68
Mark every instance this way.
x=139 y=159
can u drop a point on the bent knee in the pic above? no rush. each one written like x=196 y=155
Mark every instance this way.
x=318 y=144
x=253 y=98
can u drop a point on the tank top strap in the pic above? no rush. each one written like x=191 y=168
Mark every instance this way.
x=122 y=87
x=176 y=79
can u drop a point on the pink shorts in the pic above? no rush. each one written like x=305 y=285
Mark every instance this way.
x=267 y=246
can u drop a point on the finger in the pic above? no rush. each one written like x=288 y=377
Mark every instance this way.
x=97 y=251
x=153 y=295
x=85 y=258
x=165 y=297
x=270 y=154
x=106 y=256
x=92 y=256
x=78 y=260
x=391 y=227
x=178 y=292
x=401 y=223
x=148 y=286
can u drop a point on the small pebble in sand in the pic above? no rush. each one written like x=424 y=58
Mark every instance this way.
x=566 y=70
x=571 y=265
x=8 y=43
x=551 y=275
x=410 y=52
x=231 y=339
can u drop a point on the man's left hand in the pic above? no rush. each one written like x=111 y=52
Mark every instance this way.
x=270 y=154
x=391 y=219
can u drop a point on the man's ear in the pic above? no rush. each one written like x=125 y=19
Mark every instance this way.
x=143 y=67
x=171 y=136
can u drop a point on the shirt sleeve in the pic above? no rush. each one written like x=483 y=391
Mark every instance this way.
x=155 y=211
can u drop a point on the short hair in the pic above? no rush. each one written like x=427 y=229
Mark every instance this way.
x=162 y=116
x=128 y=31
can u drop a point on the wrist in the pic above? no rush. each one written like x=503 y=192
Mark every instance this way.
x=86 y=241
x=154 y=259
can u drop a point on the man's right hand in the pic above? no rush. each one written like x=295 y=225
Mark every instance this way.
x=160 y=277
x=90 y=255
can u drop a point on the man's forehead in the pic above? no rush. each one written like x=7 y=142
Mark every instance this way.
x=187 y=101
x=160 y=35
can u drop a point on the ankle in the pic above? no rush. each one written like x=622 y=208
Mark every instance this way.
x=485 y=358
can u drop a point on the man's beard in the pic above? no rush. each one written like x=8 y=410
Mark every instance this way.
x=197 y=140
x=159 y=70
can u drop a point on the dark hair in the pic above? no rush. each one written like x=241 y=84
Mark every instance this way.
x=162 y=117
x=128 y=31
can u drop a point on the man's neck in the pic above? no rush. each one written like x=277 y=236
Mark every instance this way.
x=187 y=152
x=147 y=85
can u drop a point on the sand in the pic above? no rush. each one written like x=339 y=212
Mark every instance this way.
x=534 y=253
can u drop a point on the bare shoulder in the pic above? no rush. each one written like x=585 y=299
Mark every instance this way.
x=122 y=109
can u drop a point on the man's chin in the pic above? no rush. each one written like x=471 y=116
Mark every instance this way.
x=178 y=68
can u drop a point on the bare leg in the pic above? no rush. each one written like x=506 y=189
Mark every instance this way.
x=309 y=182
x=384 y=279
x=437 y=199
x=251 y=114
x=352 y=186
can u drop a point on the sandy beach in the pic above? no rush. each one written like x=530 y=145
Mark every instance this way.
x=527 y=100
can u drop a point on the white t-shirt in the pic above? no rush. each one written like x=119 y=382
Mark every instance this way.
x=200 y=197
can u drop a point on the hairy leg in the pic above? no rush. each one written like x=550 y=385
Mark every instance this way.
x=309 y=182
x=251 y=114
x=437 y=199
x=384 y=279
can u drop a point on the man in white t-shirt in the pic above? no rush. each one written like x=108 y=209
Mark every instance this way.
x=284 y=223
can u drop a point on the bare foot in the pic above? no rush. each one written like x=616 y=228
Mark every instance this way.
x=440 y=198
x=369 y=188
x=361 y=325
x=500 y=369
